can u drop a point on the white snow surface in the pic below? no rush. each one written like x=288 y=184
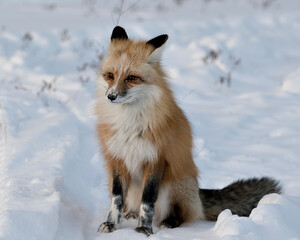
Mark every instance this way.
x=234 y=67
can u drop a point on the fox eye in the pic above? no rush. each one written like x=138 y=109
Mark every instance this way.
x=110 y=76
x=131 y=78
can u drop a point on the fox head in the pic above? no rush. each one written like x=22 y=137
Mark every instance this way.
x=131 y=71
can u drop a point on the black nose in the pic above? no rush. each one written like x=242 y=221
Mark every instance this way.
x=112 y=96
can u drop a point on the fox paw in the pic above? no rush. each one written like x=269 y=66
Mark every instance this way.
x=169 y=223
x=131 y=215
x=145 y=230
x=165 y=225
x=107 y=227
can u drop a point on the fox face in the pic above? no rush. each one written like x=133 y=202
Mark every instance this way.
x=124 y=81
x=131 y=67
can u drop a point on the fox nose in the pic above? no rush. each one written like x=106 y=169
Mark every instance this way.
x=112 y=96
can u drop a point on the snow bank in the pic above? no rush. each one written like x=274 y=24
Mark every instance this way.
x=274 y=218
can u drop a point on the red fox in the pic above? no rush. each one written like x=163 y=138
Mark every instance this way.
x=146 y=141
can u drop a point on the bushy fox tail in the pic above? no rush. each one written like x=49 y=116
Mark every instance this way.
x=240 y=197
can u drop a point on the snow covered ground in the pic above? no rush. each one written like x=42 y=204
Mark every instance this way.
x=234 y=67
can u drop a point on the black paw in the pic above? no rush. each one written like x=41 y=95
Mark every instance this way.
x=107 y=227
x=145 y=230
x=165 y=225
x=131 y=215
x=169 y=223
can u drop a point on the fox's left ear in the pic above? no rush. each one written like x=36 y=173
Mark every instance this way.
x=158 y=44
x=118 y=33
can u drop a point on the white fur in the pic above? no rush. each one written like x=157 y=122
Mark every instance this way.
x=162 y=204
x=144 y=96
x=133 y=150
x=134 y=196
x=102 y=86
x=156 y=55
x=113 y=210
x=143 y=209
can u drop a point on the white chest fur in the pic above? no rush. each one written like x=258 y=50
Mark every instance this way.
x=128 y=123
x=128 y=143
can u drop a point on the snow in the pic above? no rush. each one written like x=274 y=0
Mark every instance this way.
x=291 y=83
x=234 y=68
x=273 y=218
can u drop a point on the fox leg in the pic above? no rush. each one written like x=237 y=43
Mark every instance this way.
x=152 y=179
x=116 y=207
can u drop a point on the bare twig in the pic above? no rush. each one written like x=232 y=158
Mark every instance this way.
x=121 y=11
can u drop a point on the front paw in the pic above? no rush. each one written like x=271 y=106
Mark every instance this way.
x=145 y=230
x=107 y=227
x=131 y=215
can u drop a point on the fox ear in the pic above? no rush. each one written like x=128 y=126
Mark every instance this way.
x=158 y=44
x=118 y=33
x=158 y=41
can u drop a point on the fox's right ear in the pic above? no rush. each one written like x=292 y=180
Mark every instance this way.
x=118 y=33
x=158 y=44
x=158 y=41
